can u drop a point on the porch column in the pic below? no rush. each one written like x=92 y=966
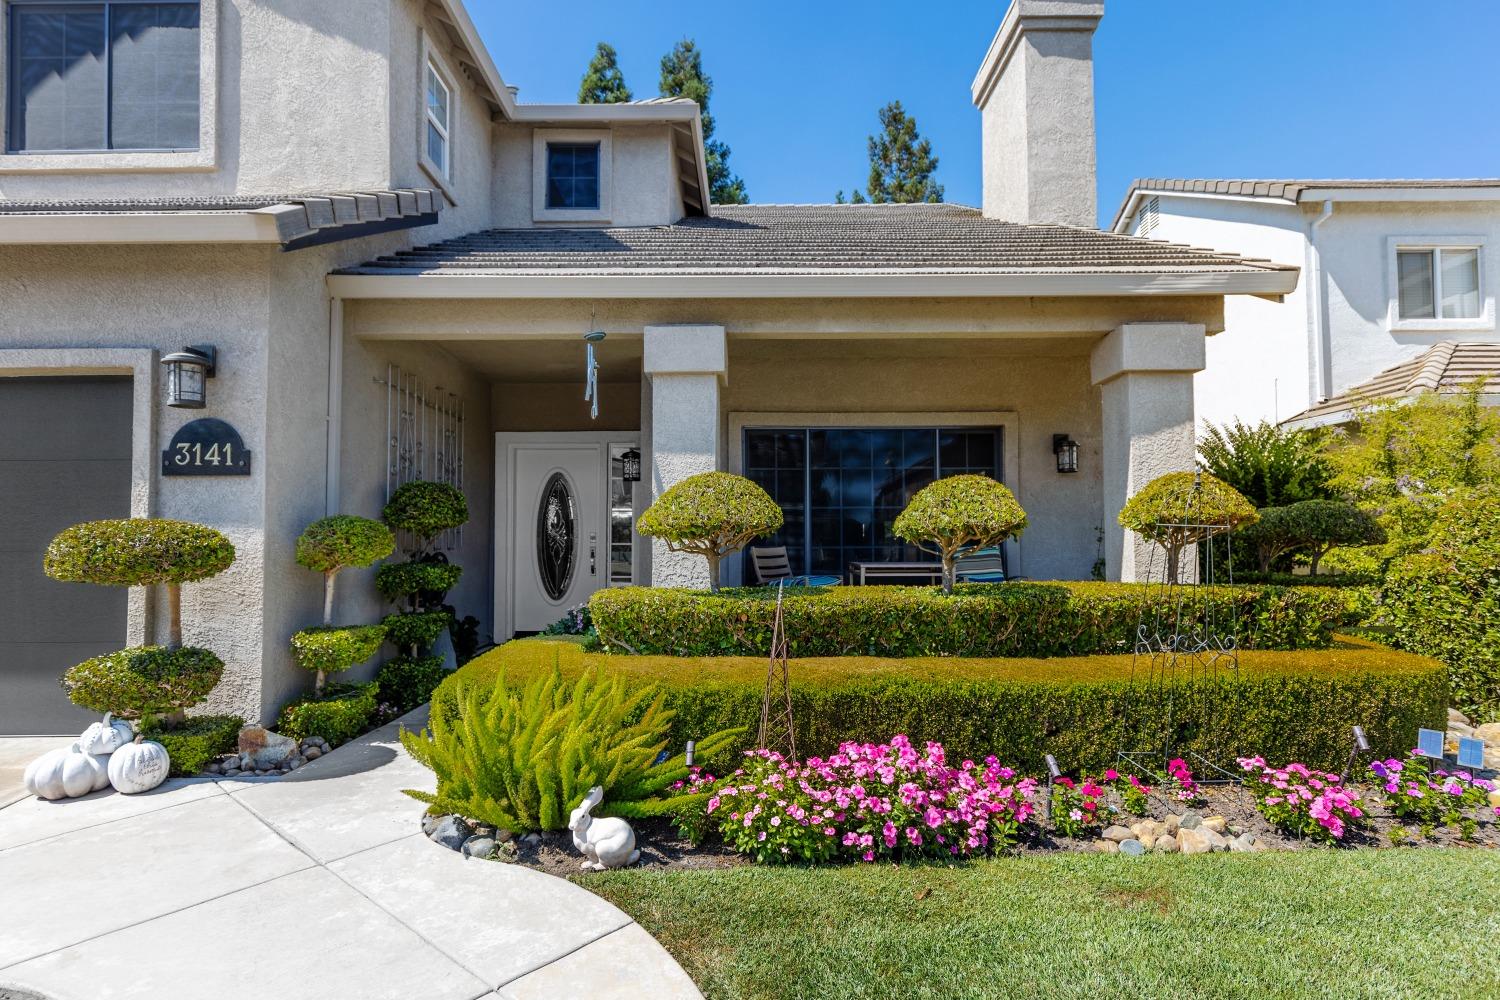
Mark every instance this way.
x=1145 y=372
x=686 y=366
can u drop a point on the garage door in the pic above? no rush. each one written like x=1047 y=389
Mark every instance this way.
x=64 y=458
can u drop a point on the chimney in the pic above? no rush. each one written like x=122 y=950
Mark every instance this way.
x=1035 y=94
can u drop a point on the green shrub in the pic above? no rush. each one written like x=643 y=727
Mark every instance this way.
x=1446 y=602
x=138 y=552
x=416 y=628
x=957 y=513
x=407 y=682
x=425 y=509
x=711 y=515
x=342 y=713
x=197 y=742
x=329 y=649
x=398 y=580
x=1325 y=525
x=1009 y=619
x=1271 y=466
x=144 y=680
x=521 y=756
x=1183 y=508
x=342 y=541
x=1349 y=580
x=1283 y=705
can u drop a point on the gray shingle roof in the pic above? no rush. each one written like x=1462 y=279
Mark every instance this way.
x=1448 y=367
x=1288 y=190
x=767 y=239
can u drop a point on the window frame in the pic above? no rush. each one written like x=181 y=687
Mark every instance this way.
x=1396 y=245
x=542 y=138
x=203 y=159
x=434 y=60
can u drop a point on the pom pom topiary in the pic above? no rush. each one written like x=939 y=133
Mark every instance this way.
x=957 y=513
x=339 y=542
x=145 y=680
x=416 y=628
x=1183 y=508
x=331 y=648
x=408 y=681
x=398 y=580
x=712 y=515
x=341 y=714
x=425 y=509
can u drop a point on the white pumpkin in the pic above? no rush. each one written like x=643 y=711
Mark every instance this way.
x=139 y=766
x=66 y=774
x=104 y=738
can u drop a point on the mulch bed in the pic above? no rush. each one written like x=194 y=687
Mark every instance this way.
x=660 y=845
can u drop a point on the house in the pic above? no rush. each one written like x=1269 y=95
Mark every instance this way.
x=1393 y=269
x=395 y=261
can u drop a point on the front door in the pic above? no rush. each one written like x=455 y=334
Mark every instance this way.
x=558 y=553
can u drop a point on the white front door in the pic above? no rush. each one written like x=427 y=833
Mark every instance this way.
x=558 y=553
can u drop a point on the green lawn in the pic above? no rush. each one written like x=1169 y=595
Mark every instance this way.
x=1346 y=924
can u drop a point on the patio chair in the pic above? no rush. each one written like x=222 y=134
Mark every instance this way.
x=982 y=566
x=770 y=565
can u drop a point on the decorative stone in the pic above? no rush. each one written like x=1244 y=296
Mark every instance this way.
x=504 y=836
x=264 y=748
x=1106 y=847
x=1196 y=840
x=478 y=847
x=1191 y=821
x=231 y=772
x=1166 y=845
x=1172 y=823
x=532 y=839
x=1119 y=834
x=1244 y=843
x=1454 y=715
x=312 y=753
x=451 y=832
x=213 y=767
x=1148 y=840
x=295 y=763
x=1134 y=848
x=1489 y=732
x=507 y=852
x=429 y=823
x=1216 y=823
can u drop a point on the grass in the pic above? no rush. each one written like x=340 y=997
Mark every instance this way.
x=1366 y=924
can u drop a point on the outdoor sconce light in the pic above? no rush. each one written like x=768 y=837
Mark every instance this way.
x=630 y=466
x=1066 y=450
x=188 y=372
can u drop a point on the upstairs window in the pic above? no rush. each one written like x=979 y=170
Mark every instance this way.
x=573 y=175
x=102 y=76
x=1438 y=283
x=439 y=115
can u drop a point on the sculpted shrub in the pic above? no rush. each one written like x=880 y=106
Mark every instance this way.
x=958 y=513
x=712 y=515
x=144 y=681
x=338 y=543
x=426 y=509
x=1181 y=509
x=333 y=648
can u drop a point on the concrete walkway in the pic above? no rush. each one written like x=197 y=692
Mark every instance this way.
x=315 y=885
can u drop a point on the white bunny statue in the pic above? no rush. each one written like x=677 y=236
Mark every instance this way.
x=604 y=843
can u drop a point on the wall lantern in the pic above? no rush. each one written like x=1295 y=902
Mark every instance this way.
x=1066 y=450
x=188 y=372
x=630 y=466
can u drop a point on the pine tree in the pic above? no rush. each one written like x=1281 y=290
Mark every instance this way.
x=682 y=76
x=604 y=83
x=901 y=161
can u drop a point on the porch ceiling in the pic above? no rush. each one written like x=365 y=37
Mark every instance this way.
x=544 y=361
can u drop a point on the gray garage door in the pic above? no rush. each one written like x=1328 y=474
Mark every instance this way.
x=64 y=458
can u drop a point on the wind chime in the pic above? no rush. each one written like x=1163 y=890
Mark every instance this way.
x=776 y=726
x=591 y=373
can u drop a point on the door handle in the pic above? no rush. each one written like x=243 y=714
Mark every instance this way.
x=592 y=547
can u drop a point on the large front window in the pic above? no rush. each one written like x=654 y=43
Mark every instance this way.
x=102 y=76
x=841 y=488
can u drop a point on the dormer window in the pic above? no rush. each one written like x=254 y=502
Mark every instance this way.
x=573 y=175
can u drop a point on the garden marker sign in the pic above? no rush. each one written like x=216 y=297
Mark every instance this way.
x=206 y=447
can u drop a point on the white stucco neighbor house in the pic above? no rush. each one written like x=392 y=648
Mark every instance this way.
x=395 y=261
x=1393 y=268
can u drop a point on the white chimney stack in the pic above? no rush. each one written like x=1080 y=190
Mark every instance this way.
x=1035 y=94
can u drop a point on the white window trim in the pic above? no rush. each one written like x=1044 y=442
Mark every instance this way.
x=539 y=210
x=202 y=159
x=1484 y=322
x=432 y=57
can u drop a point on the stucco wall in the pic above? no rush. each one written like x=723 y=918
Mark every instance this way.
x=643 y=185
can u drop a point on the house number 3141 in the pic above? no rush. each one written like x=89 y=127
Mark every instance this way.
x=206 y=447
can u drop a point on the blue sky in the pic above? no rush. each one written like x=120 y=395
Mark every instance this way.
x=1184 y=88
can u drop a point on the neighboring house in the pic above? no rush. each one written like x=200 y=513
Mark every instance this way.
x=1392 y=268
x=396 y=262
x=1447 y=369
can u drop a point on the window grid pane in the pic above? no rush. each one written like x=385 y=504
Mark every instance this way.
x=1460 y=283
x=573 y=175
x=153 y=76
x=1415 y=293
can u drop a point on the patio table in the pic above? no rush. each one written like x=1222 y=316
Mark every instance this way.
x=861 y=573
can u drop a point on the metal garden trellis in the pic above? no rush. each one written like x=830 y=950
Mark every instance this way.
x=776 y=726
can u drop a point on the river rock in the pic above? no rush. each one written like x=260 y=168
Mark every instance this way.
x=451 y=832
x=478 y=847
x=1119 y=834
x=262 y=748
x=1216 y=823
x=1191 y=820
x=1107 y=847
x=1454 y=715
x=1165 y=845
x=1134 y=848
x=1244 y=843
x=1489 y=732
x=1200 y=840
x=1171 y=824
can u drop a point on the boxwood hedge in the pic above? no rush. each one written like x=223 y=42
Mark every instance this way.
x=198 y=741
x=342 y=713
x=1012 y=619
x=144 y=680
x=1286 y=705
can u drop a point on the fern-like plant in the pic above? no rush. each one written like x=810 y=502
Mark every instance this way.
x=522 y=759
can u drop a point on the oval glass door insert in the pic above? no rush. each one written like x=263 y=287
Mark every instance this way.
x=556 y=533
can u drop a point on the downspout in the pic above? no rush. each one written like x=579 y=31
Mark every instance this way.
x=335 y=403
x=1322 y=340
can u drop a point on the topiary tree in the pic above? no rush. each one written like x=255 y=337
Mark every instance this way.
x=1272 y=537
x=957 y=513
x=140 y=552
x=426 y=509
x=712 y=514
x=330 y=649
x=340 y=542
x=145 y=682
x=1324 y=525
x=1184 y=508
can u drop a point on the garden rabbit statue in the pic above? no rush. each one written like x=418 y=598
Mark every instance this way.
x=604 y=843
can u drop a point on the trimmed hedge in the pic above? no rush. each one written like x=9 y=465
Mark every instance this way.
x=1011 y=619
x=1284 y=705
x=143 y=680
x=197 y=742
x=407 y=682
x=341 y=714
